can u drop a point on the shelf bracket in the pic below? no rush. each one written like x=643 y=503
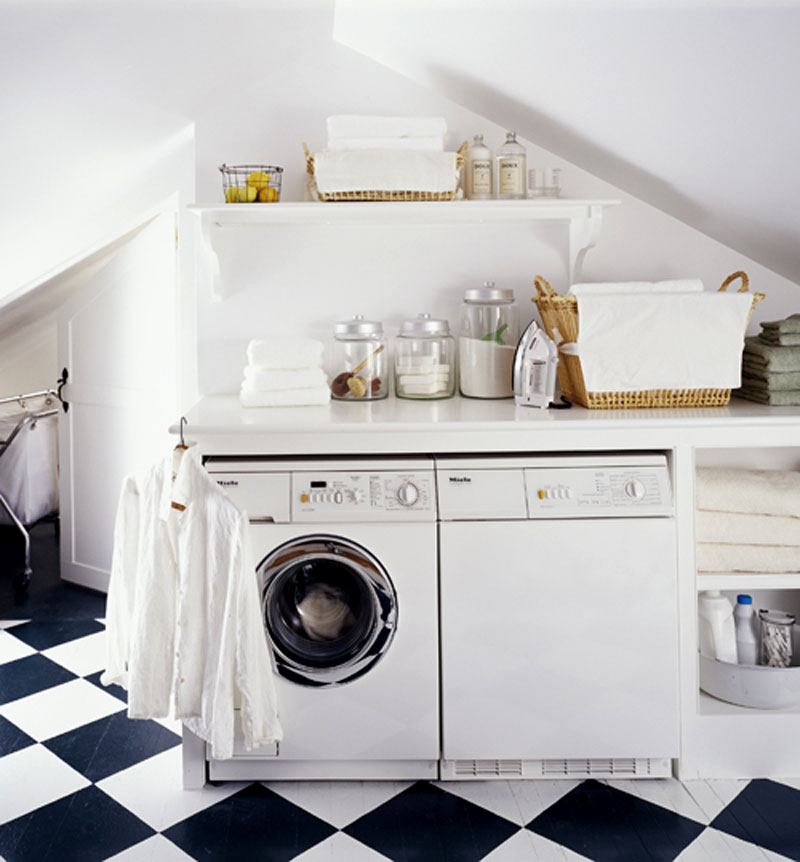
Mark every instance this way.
x=209 y=270
x=584 y=231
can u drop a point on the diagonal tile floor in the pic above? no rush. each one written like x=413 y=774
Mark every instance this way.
x=80 y=781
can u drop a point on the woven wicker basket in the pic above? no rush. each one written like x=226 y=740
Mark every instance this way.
x=384 y=195
x=561 y=313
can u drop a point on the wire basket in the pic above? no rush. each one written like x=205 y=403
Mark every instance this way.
x=561 y=313
x=251 y=184
x=378 y=195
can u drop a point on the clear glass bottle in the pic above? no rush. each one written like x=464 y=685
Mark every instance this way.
x=487 y=342
x=424 y=359
x=512 y=176
x=479 y=171
x=358 y=361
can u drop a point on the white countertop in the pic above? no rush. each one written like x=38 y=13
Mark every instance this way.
x=221 y=425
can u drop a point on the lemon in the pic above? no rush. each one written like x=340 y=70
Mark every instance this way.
x=232 y=195
x=258 y=180
x=269 y=195
x=247 y=194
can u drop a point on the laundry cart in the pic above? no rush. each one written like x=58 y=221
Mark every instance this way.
x=28 y=465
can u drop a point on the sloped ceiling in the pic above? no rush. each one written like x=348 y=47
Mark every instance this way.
x=690 y=106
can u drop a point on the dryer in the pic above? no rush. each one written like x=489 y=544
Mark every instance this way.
x=346 y=553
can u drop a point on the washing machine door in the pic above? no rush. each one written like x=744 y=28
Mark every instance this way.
x=330 y=609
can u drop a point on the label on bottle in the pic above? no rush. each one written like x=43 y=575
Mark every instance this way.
x=481 y=177
x=510 y=176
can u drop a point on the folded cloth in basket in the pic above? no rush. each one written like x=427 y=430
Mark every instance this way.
x=787 y=325
x=712 y=557
x=780 y=398
x=764 y=492
x=769 y=357
x=385 y=170
x=679 y=285
x=366 y=126
x=630 y=342
x=281 y=353
x=268 y=379
x=426 y=143
x=755 y=377
x=306 y=397
x=733 y=528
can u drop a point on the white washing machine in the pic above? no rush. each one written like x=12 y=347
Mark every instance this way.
x=559 y=620
x=346 y=551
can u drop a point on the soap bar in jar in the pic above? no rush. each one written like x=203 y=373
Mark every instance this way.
x=424 y=359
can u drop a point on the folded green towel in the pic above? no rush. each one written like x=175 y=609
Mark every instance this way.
x=771 y=358
x=775 y=380
x=784 y=339
x=788 y=398
x=788 y=324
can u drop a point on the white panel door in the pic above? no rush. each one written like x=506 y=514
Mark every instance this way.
x=116 y=338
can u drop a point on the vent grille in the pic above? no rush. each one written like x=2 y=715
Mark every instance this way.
x=621 y=767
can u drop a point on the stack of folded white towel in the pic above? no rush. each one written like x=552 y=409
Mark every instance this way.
x=373 y=153
x=747 y=520
x=284 y=372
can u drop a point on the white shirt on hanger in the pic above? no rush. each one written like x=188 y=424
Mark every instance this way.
x=183 y=615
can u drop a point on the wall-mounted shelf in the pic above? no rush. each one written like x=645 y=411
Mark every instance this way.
x=744 y=582
x=584 y=219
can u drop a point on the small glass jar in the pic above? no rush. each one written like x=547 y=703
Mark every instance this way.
x=776 y=638
x=424 y=359
x=358 y=361
x=487 y=342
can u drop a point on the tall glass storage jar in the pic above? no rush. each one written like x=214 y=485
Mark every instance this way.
x=358 y=360
x=487 y=342
x=424 y=359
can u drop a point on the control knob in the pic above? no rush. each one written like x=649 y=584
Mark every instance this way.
x=407 y=494
x=634 y=489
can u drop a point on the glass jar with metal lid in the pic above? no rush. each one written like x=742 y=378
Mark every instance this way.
x=424 y=359
x=487 y=342
x=358 y=360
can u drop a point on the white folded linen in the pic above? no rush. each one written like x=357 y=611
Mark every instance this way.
x=712 y=557
x=731 y=528
x=677 y=285
x=309 y=396
x=280 y=352
x=765 y=492
x=431 y=142
x=256 y=377
x=629 y=342
x=366 y=126
x=385 y=170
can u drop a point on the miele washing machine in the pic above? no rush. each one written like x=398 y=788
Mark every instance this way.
x=559 y=621
x=346 y=554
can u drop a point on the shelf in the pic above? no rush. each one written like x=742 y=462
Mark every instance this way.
x=583 y=217
x=748 y=581
x=708 y=705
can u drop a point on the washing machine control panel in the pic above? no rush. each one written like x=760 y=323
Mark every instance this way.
x=355 y=496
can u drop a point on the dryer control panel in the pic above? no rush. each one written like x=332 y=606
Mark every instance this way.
x=351 y=496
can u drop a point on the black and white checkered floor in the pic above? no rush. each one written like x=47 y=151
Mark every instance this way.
x=80 y=781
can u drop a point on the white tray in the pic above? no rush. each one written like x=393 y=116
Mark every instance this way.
x=750 y=685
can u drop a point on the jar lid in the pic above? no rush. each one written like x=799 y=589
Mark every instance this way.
x=424 y=324
x=488 y=294
x=358 y=327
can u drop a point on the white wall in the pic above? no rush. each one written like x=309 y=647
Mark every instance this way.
x=256 y=79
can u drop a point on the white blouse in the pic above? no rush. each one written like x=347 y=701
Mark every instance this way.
x=183 y=615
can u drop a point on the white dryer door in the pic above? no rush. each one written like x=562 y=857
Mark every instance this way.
x=559 y=639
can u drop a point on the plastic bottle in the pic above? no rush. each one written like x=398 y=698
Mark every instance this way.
x=747 y=630
x=511 y=169
x=716 y=626
x=478 y=185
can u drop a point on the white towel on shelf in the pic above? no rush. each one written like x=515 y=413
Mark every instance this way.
x=385 y=170
x=256 y=377
x=431 y=142
x=747 y=558
x=281 y=353
x=306 y=397
x=732 y=528
x=629 y=342
x=678 y=285
x=366 y=126
x=765 y=492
